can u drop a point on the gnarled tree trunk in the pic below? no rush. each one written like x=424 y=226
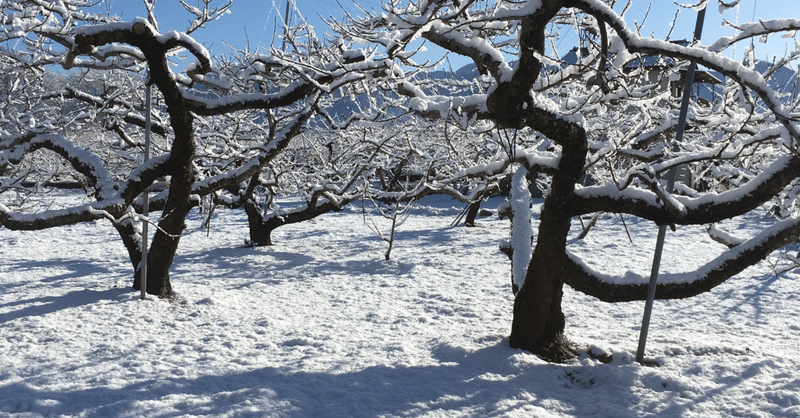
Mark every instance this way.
x=261 y=228
x=170 y=228
x=538 y=324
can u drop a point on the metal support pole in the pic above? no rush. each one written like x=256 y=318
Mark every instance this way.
x=146 y=197
x=662 y=230
x=286 y=26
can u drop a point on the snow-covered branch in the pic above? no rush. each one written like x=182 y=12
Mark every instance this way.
x=107 y=209
x=706 y=57
x=82 y=161
x=706 y=208
x=677 y=286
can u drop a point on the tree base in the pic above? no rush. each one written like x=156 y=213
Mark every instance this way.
x=162 y=289
x=558 y=350
x=249 y=243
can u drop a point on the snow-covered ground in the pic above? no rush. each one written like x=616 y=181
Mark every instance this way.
x=320 y=325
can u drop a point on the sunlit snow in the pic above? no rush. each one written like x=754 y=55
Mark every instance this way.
x=319 y=325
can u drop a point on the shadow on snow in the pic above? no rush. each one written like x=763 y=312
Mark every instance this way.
x=492 y=381
x=49 y=304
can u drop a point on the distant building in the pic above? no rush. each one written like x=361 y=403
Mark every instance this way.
x=707 y=84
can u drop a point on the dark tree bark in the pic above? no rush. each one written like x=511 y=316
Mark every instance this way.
x=127 y=233
x=538 y=324
x=261 y=228
x=260 y=233
x=165 y=242
x=170 y=228
x=472 y=213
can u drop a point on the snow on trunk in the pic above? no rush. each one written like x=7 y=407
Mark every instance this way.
x=521 y=230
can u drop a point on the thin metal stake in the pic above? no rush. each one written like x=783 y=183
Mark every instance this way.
x=662 y=230
x=146 y=197
x=286 y=27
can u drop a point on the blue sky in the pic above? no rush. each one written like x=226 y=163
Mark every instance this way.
x=250 y=21
x=253 y=21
